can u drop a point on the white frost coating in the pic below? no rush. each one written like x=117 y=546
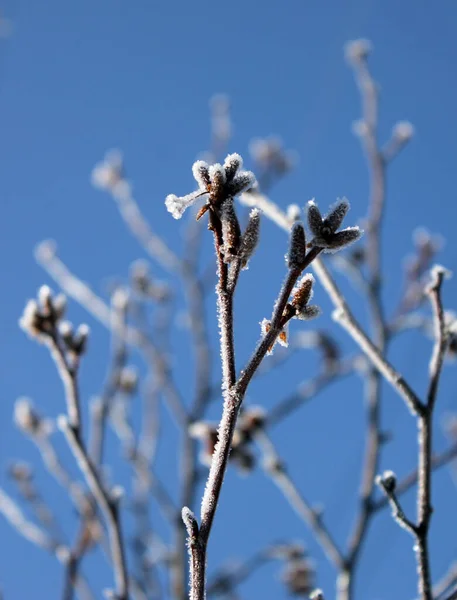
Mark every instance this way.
x=199 y=430
x=242 y=182
x=177 y=205
x=309 y=312
x=233 y=163
x=24 y=415
x=44 y=295
x=28 y=319
x=357 y=50
x=403 y=131
x=297 y=245
x=440 y=271
x=250 y=237
x=217 y=174
x=306 y=277
x=340 y=208
x=200 y=171
x=107 y=173
x=65 y=329
x=293 y=212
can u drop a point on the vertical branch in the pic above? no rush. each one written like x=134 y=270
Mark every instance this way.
x=425 y=424
x=368 y=135
x=71 y=427
x=278 y=473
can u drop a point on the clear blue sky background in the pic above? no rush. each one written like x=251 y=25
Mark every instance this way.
x=79 y=78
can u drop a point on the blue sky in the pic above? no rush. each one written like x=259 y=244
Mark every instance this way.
x=79 y=78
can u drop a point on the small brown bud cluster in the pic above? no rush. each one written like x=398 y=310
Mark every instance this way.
x=128 y=380
x=75 y=341
x=43 y=320
x=271 y=157
x=297 y=308
x=241 y=454
x=299 y=573
x=324 y=229
x=145 y=285
x=216 y=182
x=387 y=481
x=41 y=317
x=21 y=472
x=426 y=246
x=109 y=175
x=28 y=420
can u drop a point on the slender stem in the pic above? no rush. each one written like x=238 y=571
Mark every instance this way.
x=108 y=506
x=275 y=324
x=71 y=428
x=376 y=165
x=437 y=461
x=277 y=471
x=234 y=392
x=425 y=424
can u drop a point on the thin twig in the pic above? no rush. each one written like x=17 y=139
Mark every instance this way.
x=108 y=505
x=277 y=471
x=425 y=424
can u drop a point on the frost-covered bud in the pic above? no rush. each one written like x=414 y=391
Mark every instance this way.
x=31 y=320
x=45 y=251
x=207 y=433
x=242 y=182
x=128 y=380
x=403 y=131
x=303 y=293
x=200 y=170
x=232 y=164
x=117 y=494
x=314 y=218
x=190 y=522
x=218 y=179
x=176 y=205
x=438 y=271
x=324 y=229
x=293 y=213
x=299 y=577
x=59 y=305
x=335 y=217
x=309 y=312
x=301 y=296
x=108 y=173
x=251 y=419
x=141 y=280
x=357 y=50
x=243 y=458
x=230 y=230
x=66 y=331
x=250 y=238
x=26 y=418
x=79 y=344
x=21 y=472
x=273 y=465
x=282 y=339
x=45 y=300
x=297 y=246
x=388 y=481
x=317 y=595
x=120 y=298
